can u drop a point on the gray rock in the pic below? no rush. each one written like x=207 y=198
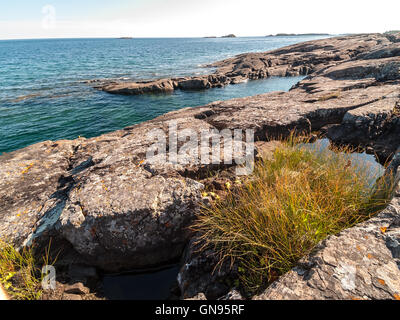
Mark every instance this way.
x=76 y=288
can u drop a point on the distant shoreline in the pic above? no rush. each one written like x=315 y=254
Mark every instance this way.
x=198 y=37
x=298 y=34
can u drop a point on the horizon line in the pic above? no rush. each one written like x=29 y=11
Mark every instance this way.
x=189 y=37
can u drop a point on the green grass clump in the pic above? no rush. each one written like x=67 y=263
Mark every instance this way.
x=289 y=204
x=19 y=274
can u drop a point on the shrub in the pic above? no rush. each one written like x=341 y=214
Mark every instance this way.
x=290 y=203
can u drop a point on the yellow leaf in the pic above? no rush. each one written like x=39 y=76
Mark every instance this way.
x=383 y=229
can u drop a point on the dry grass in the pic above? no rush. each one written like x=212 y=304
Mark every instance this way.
x=20 y=275
x=291 y=203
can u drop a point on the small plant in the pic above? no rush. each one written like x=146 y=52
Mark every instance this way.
x=292 y=202
x=20 y=275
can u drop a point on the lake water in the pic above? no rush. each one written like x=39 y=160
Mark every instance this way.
x=358 y=159
x=43 y=95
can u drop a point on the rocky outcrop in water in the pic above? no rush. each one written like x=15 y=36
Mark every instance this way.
x=295 y=60
x=118 y=210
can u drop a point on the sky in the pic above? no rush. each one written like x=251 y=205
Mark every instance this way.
x=26 y=19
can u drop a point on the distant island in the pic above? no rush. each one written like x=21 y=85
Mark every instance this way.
x=125 y=38
x=297 y=34
x=214 y=37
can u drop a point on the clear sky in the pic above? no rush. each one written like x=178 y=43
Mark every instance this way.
x=21 y=19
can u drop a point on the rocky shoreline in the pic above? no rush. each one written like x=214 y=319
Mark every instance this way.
x=106 y=206
x=296 y=60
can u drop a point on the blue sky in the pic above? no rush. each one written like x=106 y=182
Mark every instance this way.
x=185 y=18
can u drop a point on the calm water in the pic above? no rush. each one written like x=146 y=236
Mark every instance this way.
x=155 y=285
x=43 y=97
x=358 y=160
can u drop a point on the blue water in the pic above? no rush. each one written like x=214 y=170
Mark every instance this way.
x=357 y=160
x=43 y=95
